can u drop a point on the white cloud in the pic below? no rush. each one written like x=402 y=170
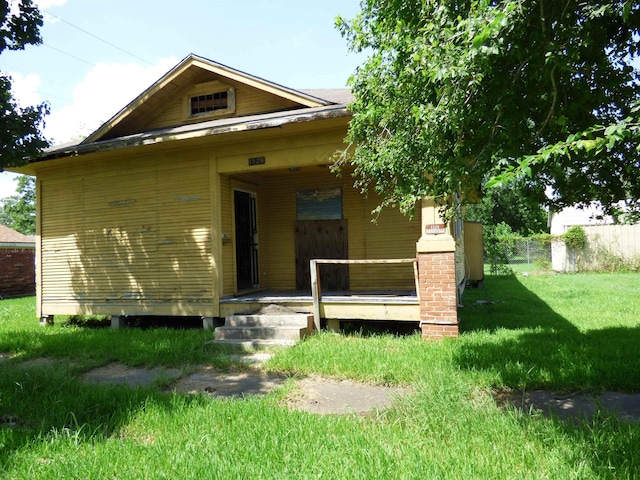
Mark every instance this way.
x=14 y=5
x=7 y=184
x=106 y=89
x=49 y=3
x=24 y=88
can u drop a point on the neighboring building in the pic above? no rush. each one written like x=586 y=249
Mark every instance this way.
x=214 y=184
x=562 y=260
x=17 y=263
x=605 y=240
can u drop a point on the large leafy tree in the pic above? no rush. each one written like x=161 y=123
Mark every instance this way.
x=20 y=133
x=510 y=206
x=18 y=212
x=457 y=96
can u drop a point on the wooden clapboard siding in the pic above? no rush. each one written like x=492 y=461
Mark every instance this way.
x=248 y=101
x=128 y=236
x=392 y=235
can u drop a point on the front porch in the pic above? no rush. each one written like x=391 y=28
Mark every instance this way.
x=387 y=305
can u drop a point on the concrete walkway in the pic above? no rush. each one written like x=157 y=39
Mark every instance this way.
x=330 y=396
x=315 y=395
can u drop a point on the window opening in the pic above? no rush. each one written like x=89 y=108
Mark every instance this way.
x=321 y=204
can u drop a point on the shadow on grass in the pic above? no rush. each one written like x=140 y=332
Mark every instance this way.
x=528 y=345
x=46 y=402
x=524 y=344
x=42 y=397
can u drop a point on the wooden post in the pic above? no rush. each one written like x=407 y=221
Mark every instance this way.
x=118 y=321
x=316 y=293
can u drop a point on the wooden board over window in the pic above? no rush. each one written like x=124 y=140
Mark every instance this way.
x=320 y=204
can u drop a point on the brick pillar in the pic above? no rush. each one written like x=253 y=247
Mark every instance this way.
x=436 y=276
x=438 y=300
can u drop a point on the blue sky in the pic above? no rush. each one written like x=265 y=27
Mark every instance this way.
x=97 y=55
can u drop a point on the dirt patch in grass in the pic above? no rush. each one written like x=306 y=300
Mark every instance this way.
x=239 y=384
x=330 y=396
x=118 y=374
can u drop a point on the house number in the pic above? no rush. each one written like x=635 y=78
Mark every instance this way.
x=256 y=161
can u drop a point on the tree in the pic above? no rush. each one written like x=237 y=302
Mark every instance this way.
x=511 y=207
x=460 y=96
x=20 y=135
x=18 y=212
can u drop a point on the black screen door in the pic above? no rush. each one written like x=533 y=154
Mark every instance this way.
x=246 y=246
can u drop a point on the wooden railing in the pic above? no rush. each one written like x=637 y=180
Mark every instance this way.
x=316 y=288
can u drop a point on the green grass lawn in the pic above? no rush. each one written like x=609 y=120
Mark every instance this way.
x=561 y=332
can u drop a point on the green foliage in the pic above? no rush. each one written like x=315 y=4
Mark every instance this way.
x=458 y=91
x=20 y=135
x=575 y=238
x=499 y=241
x=511 y=206
x=18 y=212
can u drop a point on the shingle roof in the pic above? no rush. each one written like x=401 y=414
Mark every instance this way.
x=341 y=96
x=8 y=235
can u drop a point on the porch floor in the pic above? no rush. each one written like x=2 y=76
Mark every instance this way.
x=401 y=305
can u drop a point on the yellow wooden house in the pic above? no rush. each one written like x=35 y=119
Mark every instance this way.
x=210 y=194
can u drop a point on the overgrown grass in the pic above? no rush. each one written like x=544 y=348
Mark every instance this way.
x=562 y=332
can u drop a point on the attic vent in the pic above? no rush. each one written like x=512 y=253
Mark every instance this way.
x=209 y=99
x=209 y=102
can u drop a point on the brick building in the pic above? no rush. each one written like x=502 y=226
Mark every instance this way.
x=17 y=263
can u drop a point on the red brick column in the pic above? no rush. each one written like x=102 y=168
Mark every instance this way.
x=438 y=295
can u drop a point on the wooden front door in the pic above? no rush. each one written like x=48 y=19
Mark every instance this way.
x=246 y=245
x=322 y=239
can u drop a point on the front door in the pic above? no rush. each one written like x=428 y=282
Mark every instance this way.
x=246 y=241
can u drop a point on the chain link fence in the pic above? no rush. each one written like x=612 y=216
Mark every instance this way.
x=508 y=252
x=605 y=248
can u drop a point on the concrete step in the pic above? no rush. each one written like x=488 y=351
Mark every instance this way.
x=297 y=320
x=260 y=333
x=252 y=345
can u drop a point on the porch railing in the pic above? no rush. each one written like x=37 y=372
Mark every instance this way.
x=316 y=287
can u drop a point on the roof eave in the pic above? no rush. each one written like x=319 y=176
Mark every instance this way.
x=197 y=131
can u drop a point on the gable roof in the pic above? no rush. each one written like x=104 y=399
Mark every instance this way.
x=191 y=70
x=196 y=130
x=13 y=238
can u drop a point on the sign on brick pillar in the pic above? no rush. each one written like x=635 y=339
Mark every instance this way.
x=438 y=301
x=437 y=276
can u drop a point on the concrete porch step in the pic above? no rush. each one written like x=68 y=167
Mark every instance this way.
x=260 y=333
x=252 y=345
x=294 y=320
x=263 y=330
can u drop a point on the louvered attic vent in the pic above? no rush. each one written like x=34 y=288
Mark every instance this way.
x=209 y=99
x=209 y=103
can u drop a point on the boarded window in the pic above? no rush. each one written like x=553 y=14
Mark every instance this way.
x=322 y=204
x=209 y=102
